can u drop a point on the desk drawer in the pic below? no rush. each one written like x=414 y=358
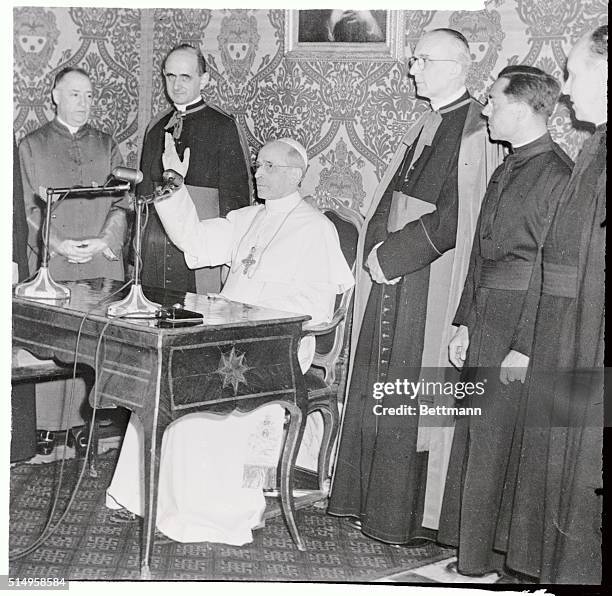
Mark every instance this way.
x=226 y=371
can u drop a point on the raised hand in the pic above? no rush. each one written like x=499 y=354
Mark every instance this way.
x=171 y=159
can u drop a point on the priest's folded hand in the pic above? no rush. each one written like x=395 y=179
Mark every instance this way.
x=513 y=367
x=92 y=246
x=171 y=159
x=73 y=250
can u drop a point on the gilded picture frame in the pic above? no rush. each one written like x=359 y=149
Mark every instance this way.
x=373 y=35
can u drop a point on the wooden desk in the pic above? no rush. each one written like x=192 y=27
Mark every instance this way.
x=241 y=357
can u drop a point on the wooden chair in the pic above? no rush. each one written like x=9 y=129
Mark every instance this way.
x=326 y=378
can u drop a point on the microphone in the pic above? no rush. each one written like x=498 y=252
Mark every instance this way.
x=172 y=180
x=86 y=191
x=127 y=175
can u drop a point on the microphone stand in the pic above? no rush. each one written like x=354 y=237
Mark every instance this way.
x=43 y=286
x=136 y=305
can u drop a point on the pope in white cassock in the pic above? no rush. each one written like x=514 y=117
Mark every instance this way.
x=283 y=255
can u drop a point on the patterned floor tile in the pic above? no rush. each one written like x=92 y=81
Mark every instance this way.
x=86 y=545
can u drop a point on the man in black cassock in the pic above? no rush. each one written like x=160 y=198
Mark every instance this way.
x=556 y=500
x=218 y=181
x=416 y=244
x=496 y=315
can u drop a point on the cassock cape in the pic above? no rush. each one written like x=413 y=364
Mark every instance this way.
x=299 y=268
x=477 y=159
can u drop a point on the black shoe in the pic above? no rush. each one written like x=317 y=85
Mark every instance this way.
x=354 y=522
x=415 y=543
x=45 y=442
x=452 y=567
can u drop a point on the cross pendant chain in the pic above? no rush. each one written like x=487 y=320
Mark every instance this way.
x=250 y=260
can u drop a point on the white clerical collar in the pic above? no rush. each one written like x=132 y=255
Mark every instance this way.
x=440 y=103
x=531 y=140
x=284 y=204
x=182 y=107
x=73 y=129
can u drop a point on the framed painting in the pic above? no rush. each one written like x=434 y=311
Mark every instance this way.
x=343 y=34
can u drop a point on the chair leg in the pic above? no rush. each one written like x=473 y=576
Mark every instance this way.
x=335 y=427
x=331 y=418
x=323 y=451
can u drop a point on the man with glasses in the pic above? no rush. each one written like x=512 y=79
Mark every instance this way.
x=391 y=469
x=283 y=255
x=218 y=180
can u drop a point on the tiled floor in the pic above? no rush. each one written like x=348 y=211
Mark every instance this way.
x=431 y=573
x=87 y=545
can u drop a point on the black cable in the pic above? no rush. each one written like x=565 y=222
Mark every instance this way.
x=47 y=532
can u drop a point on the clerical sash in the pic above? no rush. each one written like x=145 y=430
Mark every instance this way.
x=206 y=201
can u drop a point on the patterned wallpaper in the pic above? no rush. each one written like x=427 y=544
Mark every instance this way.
x=348 y=113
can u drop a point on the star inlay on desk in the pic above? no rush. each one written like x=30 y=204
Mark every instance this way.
x=232 y=368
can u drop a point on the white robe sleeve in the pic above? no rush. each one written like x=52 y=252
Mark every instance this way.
x=323 y=262
x=205 y=243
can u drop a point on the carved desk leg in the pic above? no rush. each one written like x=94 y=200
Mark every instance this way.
x=153 y=433
x=289 y=454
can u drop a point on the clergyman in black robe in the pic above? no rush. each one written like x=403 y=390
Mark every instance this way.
x=560 y=447
x=419 y=229
x=218 y=179
x=497 y=310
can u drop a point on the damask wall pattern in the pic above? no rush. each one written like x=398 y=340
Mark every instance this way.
x=103 y=41
x=350 y=114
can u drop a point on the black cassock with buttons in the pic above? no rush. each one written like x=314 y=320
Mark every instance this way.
x=380 y=477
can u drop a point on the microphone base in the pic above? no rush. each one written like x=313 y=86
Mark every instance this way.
x=42 y=287
x=134 y=306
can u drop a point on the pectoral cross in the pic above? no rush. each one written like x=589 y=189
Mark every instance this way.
x=250 y=260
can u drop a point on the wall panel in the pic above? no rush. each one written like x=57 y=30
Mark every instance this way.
x=349 y=114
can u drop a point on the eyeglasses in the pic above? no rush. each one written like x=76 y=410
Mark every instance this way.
x=267 y=166
x=421 y=61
